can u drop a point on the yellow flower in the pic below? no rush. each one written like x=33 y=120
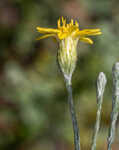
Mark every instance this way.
x=68 y=36
x=64 y=30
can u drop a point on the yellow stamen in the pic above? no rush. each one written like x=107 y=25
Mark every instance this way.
x=64 y=23
x=76 y=24
x=62 y=20
x=58 y=23
x=72 y=22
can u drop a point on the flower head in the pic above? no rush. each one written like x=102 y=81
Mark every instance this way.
x=64 y=30
x=68 y=36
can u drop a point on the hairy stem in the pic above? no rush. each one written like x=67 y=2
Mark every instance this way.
x=73 y=116
x=115 y=105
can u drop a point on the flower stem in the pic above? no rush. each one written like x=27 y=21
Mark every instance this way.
x=73 y=116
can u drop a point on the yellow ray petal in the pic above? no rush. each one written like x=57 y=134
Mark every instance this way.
x=47 y=30
x=45 y=36
x=87 y=40
x=89 y=32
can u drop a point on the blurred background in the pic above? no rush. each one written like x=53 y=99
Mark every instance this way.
x=34 y=112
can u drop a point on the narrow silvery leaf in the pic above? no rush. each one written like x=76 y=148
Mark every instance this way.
x=100 y=87
x=115 y=104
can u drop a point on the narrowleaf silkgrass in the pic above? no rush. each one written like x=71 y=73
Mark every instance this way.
x=68 y=35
